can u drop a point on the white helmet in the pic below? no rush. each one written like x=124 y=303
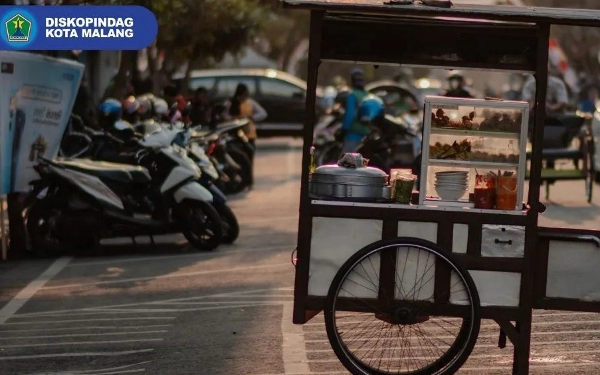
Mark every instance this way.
x=160 y=106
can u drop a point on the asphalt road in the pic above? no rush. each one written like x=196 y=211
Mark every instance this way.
x=171 y=310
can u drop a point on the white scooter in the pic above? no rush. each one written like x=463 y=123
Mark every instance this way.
x=79 y=202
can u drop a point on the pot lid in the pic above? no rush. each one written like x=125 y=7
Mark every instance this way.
x=336 y=170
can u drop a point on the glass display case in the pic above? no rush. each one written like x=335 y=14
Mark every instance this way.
x=474 y=153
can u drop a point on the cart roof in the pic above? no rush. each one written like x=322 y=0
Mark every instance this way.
x=507 y=13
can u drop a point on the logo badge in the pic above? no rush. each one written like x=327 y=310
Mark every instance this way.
x=18 y=29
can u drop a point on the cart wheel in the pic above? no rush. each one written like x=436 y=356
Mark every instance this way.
x=416 y=312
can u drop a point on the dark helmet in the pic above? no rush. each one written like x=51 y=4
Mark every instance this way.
x=341 y=97
x=371 y=108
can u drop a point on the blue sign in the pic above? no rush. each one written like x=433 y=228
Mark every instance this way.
x=87 y=27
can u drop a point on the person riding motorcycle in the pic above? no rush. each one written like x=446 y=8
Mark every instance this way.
x=130 y=109
x=354 y=130
x=109 y=112
x=457 y=83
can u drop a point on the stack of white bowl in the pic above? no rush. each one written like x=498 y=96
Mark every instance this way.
x=451 y=185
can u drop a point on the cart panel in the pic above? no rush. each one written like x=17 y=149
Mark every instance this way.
x=497 y=288
x=573 y=271
x=334 y=241
x=567 y=274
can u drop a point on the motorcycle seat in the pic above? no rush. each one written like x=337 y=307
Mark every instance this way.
x=109 y=171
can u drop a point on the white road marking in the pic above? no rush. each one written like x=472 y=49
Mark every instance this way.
x=116 y=319
x=32 y=288
x=119 y=372
x=182 y=256
x=295 y=360
x=495 y=334
x=99 y=309
x=214 y=307
x=82 y=372
x=553 y=351
x=77 y=343
x=83 y=335
x=79 y=328
x=78 y=354
x=169 y=276
x=416 y=339
x=228 y=302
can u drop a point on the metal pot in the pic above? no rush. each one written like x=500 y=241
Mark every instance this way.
x=365 y=183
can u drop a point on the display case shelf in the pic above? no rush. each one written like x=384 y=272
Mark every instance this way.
x=471 y=163
x=475 y=137
x=475 y=133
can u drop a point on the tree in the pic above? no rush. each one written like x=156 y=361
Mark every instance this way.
x=193 y=31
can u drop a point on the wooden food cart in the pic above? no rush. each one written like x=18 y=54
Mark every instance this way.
x=383 y=271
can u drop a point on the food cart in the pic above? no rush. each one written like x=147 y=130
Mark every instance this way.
x=385 y=273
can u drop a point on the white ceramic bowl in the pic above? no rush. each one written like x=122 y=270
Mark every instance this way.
x=448 y=194
x=451 y=186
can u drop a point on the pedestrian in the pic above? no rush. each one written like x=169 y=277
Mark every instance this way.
x=457 y=85
x=557 y=97
x=242 y=106
x=201 y=111
x=557 y=100
x=354 y=130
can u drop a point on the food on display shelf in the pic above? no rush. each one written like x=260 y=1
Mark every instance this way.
x=493 y=121
x=463 y=151
x=454 y=151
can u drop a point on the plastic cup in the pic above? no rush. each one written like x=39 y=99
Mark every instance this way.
x=506 y=193
x=402 y=187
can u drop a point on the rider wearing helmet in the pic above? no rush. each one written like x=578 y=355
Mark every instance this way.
x=354 y=130
x=109 y=112
x=161 y=109
x=130 y=109
x=371 y=110
x=457 y=83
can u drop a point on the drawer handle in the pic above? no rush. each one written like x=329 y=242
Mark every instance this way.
x=509 y=242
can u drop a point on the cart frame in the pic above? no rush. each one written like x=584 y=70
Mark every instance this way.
x=510 y=39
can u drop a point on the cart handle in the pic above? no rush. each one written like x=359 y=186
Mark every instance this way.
x=571 y=237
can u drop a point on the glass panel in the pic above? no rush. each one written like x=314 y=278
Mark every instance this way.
x=274 y=87
x=469 y=118
x=487 y=149
x=208 y=83
x=226 y=86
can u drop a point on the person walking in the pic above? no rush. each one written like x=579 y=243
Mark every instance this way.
x=353 y=129
x=242 y=106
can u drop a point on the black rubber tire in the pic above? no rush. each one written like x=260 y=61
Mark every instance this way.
x=328 y=153
x=37 y=214
x=189 y=225
x=231 y=227
x=245 y=164
x=458 y=353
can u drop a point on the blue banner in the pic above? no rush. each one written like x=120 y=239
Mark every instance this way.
x=36 y=100
x=86 y=27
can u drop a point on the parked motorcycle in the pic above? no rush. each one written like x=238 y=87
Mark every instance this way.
x=80 y=202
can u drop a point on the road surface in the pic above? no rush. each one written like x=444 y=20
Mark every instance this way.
x=171 y=310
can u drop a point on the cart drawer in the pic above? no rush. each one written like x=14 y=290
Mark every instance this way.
x=503 y=241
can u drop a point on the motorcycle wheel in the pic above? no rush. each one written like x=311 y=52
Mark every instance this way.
x=328 y=153
x=231 y=227
x=201 y=224
x=41 y=219
x=245 y=164
x=74 y=146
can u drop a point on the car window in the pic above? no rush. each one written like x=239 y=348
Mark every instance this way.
x=275 y=87
x=207 y=83
x=227 y=85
